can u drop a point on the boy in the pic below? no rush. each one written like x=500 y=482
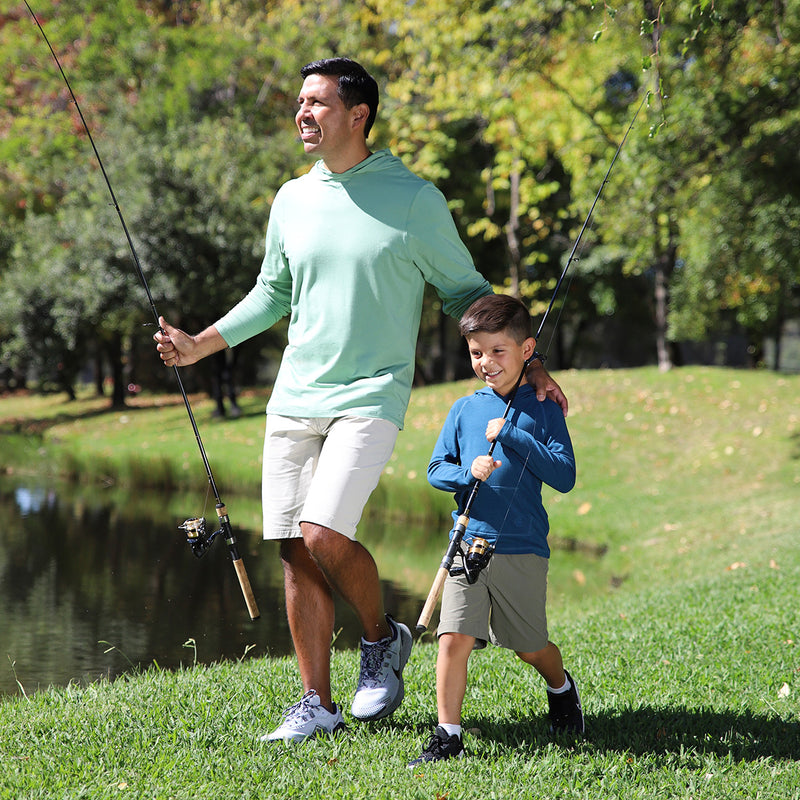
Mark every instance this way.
x=506 y=603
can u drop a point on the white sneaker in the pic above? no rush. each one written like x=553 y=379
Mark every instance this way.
x=306 y=718
x=380 y=687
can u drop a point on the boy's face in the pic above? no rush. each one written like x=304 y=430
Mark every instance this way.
x=497 y=359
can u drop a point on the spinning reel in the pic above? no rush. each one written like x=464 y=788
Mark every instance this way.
x=474 y=560
x=196 y=535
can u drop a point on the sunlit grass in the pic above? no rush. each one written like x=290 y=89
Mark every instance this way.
x=676 y=612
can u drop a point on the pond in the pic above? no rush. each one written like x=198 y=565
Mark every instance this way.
x=92 y=586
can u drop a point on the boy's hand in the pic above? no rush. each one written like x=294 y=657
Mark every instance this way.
x=493 y=428
x=483 y=466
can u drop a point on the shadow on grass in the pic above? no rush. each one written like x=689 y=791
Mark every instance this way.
x=662 y=731
x=32 y=425
x=742 y=735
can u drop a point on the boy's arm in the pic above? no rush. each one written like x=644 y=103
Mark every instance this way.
x=445 y=470
x=552 y=460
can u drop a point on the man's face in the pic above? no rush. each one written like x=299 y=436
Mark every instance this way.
x=322 y=119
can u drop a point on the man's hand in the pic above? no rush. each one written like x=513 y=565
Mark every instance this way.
x=538 y=377
x=483 y=466
x=178 y=349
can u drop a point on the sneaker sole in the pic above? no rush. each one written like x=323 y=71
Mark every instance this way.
x=296 y=738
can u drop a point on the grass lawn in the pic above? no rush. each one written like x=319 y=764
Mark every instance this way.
x=683 y=635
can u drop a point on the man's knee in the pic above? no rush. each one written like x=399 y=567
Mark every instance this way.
x=323 y=543
x=294 y=554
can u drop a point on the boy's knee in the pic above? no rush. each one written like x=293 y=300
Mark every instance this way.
x=456 y=643
x=537 y=657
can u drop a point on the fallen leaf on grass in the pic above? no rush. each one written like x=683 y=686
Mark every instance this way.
x=584 y=508
x=736 y=565
x=784 y=691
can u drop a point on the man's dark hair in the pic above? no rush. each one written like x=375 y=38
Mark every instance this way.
x=494 y=313
x=356 y=85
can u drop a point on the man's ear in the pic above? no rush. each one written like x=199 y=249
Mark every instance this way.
x=360 y=115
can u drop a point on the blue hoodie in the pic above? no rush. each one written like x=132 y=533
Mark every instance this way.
x=534 y=447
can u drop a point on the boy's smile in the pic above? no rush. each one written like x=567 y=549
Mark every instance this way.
x=497 y=358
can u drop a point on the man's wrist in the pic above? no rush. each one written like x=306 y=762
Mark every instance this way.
x=537 y=356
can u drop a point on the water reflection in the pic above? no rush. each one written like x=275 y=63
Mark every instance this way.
x=90 y=586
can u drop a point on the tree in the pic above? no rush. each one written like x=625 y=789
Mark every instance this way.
x=742 y=230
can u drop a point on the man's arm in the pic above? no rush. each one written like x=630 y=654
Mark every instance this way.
x=179 y=349
x=538 y=377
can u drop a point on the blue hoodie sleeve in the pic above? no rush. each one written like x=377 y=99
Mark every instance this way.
x=550 y=459
x=445 y=470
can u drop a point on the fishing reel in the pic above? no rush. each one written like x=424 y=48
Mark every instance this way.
x=474 y=560
x=197 y=536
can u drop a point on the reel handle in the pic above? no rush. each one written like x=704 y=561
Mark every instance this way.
x=238 y=564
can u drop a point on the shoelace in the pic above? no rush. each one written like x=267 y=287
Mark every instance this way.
x=373 y=661
x=437 y=746
x=300 y=711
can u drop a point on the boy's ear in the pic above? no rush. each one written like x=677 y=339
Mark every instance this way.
x=528 y=346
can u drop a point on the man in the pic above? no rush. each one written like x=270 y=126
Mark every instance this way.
x=349 y=247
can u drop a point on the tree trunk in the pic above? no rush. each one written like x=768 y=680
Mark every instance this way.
x=661 y=302
x=98 y=372
x=512 y=231
x=780 y=319
x=117 y=371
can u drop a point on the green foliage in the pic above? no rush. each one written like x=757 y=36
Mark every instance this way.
x=513 y=109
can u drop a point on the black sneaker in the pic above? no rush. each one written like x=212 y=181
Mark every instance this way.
x=440 y=747
x=566 y=714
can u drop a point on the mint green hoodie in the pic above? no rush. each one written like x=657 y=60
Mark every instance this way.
x=347 y=257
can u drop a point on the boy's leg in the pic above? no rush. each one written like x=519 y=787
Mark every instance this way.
x=547 y=662
x=565 y=711
x=451 y=685
x=451 y=675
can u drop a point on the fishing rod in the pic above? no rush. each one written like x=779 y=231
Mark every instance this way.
x=196 y=535
x=480 y=551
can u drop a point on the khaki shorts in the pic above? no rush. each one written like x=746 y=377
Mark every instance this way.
x=505 y=606
x=321 y=470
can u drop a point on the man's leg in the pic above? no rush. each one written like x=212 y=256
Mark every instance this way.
x=351 y=571
x=349 y=466
x=310 y=610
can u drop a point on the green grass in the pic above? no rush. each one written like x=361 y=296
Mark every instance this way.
x=683 y=634
x=684 y=688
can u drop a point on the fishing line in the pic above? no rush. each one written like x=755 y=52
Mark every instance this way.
x=196 y=534
x=459 y=529
x=584 y=227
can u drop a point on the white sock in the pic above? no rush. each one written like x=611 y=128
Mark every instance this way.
x=565 y=688
x=451 y=730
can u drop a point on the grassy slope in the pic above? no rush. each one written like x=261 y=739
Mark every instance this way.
x=683 y=636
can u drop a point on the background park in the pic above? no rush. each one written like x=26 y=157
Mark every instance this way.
x=675 y=560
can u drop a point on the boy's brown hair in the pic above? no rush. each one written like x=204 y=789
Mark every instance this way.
x=497 y=312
